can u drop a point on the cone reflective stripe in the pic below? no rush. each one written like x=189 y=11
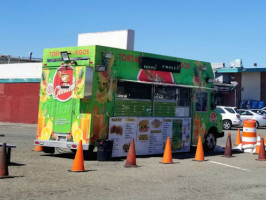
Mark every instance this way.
x=258 y=144
x=199 y=152
x=262 y=155
x=38 y=148
x=249 y=133
x=228 y=147
x=131 y=155
x=167 y=156
x=3 y=162
x=238 y=138
x=78 y=165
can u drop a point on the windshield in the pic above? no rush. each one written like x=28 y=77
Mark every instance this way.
x=231 y=110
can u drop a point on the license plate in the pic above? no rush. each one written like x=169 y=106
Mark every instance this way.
x=62 y=138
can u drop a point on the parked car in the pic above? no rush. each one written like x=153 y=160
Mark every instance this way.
x=249 y=114
x=259 y=111
x=229 y=116
x=264 y=108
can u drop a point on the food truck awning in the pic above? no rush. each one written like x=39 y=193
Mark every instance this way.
x=168 y=84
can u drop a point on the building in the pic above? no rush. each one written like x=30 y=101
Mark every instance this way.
x=19 y=92
x=237 y=84
x=8 y=59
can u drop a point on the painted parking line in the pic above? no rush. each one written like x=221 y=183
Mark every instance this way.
x=230 y=166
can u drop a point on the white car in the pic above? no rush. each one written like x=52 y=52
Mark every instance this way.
x=259 y=111
x=264 y=108
x=249 y=114
x=229 y=116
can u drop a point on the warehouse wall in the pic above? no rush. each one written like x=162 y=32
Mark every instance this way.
x=19 y=102
x=250 y=86
x=19 y=92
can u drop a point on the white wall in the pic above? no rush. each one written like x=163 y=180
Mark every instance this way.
x=123 y=39
x=250 y=86
x=20 y=71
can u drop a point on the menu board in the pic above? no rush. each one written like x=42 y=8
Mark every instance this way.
x=121 y=131
x=150 y=134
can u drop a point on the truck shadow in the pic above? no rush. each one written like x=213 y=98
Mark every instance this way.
x=92 y=156
x=71 y=155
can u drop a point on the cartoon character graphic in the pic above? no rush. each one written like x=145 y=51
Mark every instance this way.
x=44 y=82
x=80 y=80
x=197 y=75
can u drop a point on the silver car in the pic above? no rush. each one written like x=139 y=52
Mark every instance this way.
x=249 y=114
x=259 y=111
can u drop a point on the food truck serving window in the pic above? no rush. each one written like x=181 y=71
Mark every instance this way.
x=201 y=101
x=165 y=93
x=213 y=100
x=131 y=90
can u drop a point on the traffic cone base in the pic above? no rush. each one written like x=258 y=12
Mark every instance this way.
x=38 y=148
x=199 y=156
x=261 y=159
x=78 y=165
x=131 y=155
x=167 y=156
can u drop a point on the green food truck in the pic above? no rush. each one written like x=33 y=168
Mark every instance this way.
x=93 y=93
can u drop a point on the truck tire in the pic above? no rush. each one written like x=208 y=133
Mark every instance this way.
x=257 y=124
x=227 y=124
x=209 y=142
x=48 y=150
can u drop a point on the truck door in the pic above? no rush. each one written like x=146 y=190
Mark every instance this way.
x=61 y=89
x=63 y=116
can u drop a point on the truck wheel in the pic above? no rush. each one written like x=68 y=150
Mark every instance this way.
x=209 y=142
x=48 y=150
x=227 y=124
x=257 y=124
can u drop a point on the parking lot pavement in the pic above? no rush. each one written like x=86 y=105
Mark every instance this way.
x=40 y=176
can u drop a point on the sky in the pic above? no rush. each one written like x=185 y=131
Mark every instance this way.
x=217 y=31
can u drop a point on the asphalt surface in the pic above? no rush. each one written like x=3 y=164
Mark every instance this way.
x=36 y=175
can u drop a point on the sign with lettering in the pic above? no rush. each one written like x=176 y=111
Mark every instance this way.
x=160 y=65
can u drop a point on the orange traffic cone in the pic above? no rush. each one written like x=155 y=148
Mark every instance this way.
x=3 y=162
x=228 y=147
x=199 y=152
x=258 y=144
x=167 y=156
x=262 y=155
x=38 y=148
x=131 y=155
x=78 y=165
x=238 y=138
